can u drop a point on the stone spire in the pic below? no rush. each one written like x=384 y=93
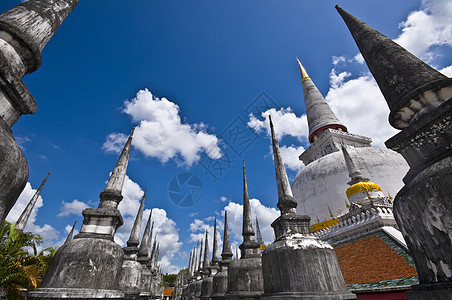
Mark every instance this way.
x=206 y=263
x=353 y=172
x=190 y=264
x=247 y=228
x=258 y=233
x=26 y=29
x=319 y=113
x=226 y=254
x=215 y=258
x=71 y=233
x=200 y=258
x=195 y=265
x=134 y=238
x=111 y=196
x=286 y=202
x=153 y=253
x=403 y=78
x=23 y=219
x=143 y=252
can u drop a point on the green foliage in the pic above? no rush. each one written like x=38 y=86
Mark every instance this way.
x=169 y=280
x=20 y=270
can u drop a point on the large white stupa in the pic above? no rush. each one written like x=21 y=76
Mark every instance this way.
x=319 y=186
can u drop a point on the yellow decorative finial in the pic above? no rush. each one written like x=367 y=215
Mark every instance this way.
x=304 y=75
x=331 y=213
x=346 y=204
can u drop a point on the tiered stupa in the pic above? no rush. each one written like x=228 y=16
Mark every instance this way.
x=245 y=274
x=319 y=187
x=25 y=30
x=220 y=280
x=88 y=266
x=298 y=265
x=419 y=98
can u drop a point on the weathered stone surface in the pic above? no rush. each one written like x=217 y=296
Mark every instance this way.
x=74 y=294
x=302 y=268
x=219 y=285
x=13 y=171
x=245 y=279
x=130 y=276
x=206 y=287
x=85 y=263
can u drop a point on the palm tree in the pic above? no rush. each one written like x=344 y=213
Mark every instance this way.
x=18 y=269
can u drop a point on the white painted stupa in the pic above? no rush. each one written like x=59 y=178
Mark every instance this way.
x=319 y=186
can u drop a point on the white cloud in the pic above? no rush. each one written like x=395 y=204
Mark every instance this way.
x=290 y=157
x=49 y=234
x=338 y=59
x=285 y=123
x=427 y=27
x=161 y=133
x=359 y=104
x=223 y=199
x=447 y=71
x=72 y=208
x=164 y=227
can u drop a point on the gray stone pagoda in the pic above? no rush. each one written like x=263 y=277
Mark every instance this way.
x=419 y=98
x=144 y=257
x=199 y=274
x=88 y=266
x=207 y=282
x=25 y=30
x=220 y=280
x=130 y=276
x=191 y=286
x=245 y=274
x=298 y=265
x=25 y=215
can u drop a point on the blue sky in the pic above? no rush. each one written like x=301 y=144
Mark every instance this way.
x=209 y=63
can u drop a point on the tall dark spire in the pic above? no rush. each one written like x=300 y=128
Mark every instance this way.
x=195 y=266
x=143 y=252
x=402 y=77
x=215 y=258
x=353 y=172
x=258 y=233
x=226 y=254
x=71 y=233
x=134 y=238
x=206 y=263
x=319 y=113
x=286 y=202
x=23 y=219
x=111 y=196
x=247 y=228
x=200 y=257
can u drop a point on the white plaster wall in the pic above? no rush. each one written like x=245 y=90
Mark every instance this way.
x=324 y=181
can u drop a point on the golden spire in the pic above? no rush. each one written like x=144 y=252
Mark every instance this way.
x=304 y=75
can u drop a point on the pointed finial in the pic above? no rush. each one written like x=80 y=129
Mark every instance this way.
x=195 y=266
x=237 y=253
x=247 y=229
x=113 y=189
x=71 y=233
x=258 y=233
x=353 y=171
x=227 y=250
x=347 y=204
x=319 y=113
x=206 y=263
x=215 y=258
x=200 y=257
x=143 y=252
x=304 y=74
x=23 y=219
x=286 y=202
x=134 y=238
x=329 y=210
x=402 y=77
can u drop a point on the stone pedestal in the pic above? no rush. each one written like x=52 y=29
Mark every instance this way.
x=84 y=268
x=300 y=266
x=220 y=285
x=130 y=277
x=206 y=287
x=245 y=279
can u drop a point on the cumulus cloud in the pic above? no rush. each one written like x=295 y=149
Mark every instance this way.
x=430 y=26
x=50 y=235
x=359 y=104
x=75 y=207
x=290 y=157
x=223 y=199
x=164 y=228
x=162 y=134
x=285 y=123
